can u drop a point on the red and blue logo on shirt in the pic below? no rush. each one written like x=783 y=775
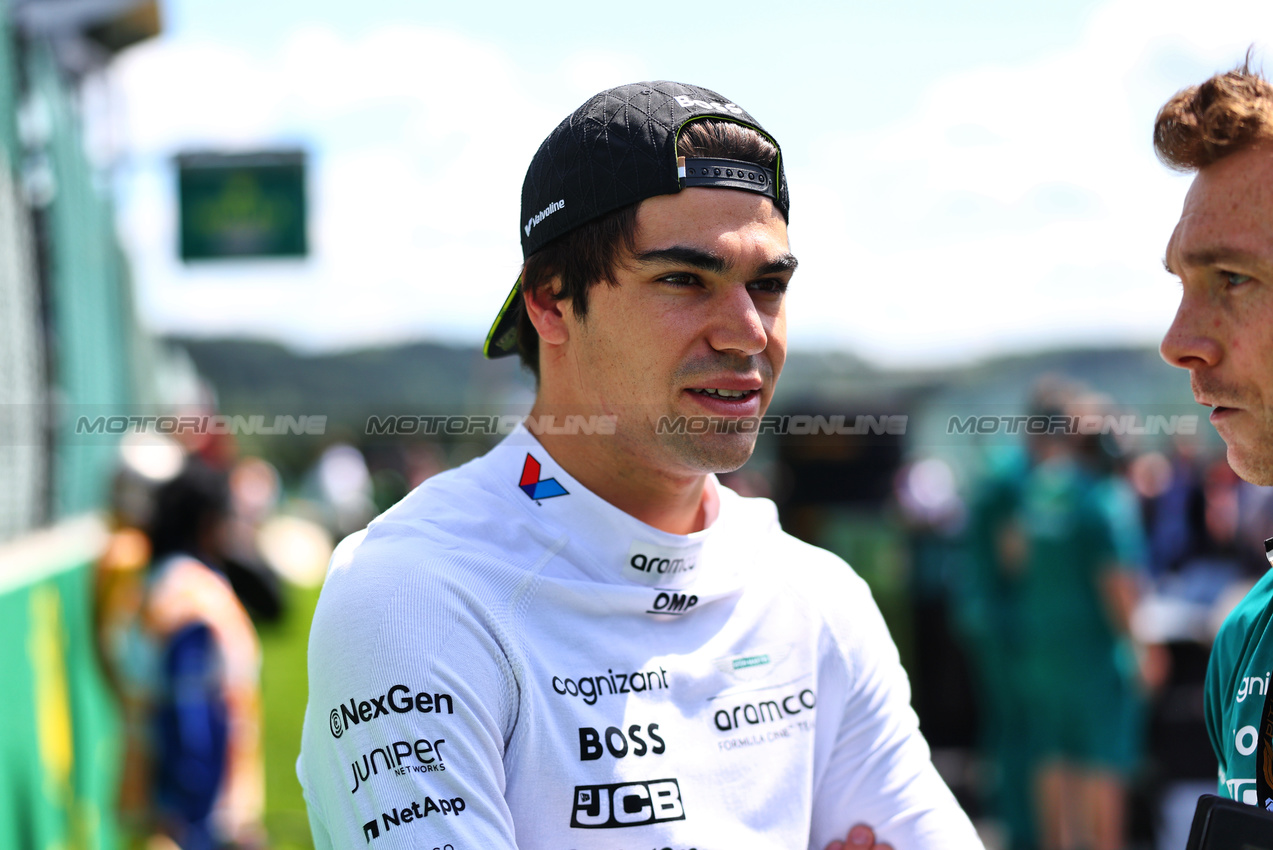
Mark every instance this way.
x=535 y=488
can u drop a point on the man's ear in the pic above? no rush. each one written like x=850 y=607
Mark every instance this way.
x=547 y=313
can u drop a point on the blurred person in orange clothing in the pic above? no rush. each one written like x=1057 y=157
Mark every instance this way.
x=189 y=671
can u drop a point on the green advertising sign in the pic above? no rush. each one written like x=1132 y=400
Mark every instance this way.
x=242 y=205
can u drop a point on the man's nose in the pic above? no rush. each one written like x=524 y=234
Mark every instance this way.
x=1192 y=340
x=738 y=325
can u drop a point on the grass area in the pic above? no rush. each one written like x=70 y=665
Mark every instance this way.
x=284 y=688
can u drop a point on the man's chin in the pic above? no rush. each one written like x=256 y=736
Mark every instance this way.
x=1254 y=466
x=713 y=452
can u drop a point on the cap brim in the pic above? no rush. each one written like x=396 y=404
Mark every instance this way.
x=501 y=340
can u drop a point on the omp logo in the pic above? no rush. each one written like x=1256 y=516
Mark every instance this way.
x=397 y=699
x=591 y=749
x=538 y=217
x=626 y=804
x=673 y=604
x=536 y=489
x=428 y=759
x=692 y=103
x=765 y=711
x=412 y=812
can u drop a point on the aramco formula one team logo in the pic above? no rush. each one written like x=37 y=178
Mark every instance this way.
x=535 y=488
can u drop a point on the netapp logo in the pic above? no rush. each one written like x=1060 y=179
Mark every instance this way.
x=689 y=102
x=391 y=755
x=399 y=699
x=626 y=804
x=534 y=220
x=590 y=687
x=412 y=812
x=673 y=604
x=766 y=711
x=616 y=742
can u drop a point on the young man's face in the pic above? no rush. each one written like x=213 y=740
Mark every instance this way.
x=1222 y=250
x=698 y=307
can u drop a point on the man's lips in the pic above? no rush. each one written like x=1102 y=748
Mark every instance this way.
x=728 y=397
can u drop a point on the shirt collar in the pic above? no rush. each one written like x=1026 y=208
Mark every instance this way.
x=604 y=542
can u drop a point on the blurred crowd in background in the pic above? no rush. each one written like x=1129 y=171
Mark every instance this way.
x=1054 y=601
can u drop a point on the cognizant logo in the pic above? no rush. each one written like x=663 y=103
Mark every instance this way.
x=589 y=688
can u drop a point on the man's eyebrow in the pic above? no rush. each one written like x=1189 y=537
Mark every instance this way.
x=709 y=262
x=1210 y=257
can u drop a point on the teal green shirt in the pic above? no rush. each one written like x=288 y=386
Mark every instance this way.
x=1237 y=681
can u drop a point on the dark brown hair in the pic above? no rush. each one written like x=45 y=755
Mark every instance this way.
x=588 y=254
x=1203 y=124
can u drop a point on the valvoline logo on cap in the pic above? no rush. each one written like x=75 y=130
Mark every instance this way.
x=536 y=489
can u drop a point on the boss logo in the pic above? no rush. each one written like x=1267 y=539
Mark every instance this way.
x=591 y=749
x=626 y=804
x=673 y=604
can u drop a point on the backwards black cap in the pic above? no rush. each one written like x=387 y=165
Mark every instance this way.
x=619 y=148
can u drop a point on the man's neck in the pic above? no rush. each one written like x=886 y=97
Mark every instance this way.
x=675 y=504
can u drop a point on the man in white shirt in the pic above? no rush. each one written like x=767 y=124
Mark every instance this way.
x=582 y=640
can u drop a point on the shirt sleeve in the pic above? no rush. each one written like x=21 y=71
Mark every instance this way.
x=880 y=771
x=412 y=702
x=1211 y=703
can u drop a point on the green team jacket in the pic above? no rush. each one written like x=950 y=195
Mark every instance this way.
x=1237 y=682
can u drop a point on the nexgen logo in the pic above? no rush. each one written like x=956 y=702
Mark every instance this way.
x=692 y=103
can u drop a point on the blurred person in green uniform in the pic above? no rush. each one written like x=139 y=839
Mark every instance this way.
x=987 y=618
x=1080 y=552
x=1222 y=251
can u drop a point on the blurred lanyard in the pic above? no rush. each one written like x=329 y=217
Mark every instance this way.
x=1264 y=742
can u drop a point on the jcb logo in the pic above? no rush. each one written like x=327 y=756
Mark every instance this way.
x=674 y=604
x=626 y=804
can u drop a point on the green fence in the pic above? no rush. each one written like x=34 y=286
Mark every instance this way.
x=58 y=726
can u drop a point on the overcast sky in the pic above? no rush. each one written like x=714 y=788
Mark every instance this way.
x=966 y=177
